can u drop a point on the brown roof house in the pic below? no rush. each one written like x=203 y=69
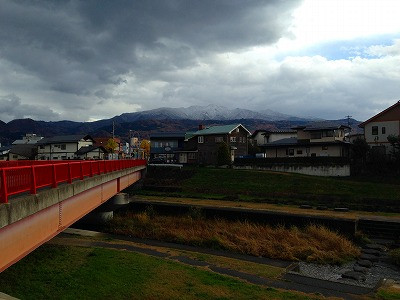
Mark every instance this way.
x=204 y=142
x=379 y=127
x=316 y=139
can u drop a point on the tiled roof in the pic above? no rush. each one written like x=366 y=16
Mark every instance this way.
x=26 y=150
x=324 y=125
x=165 y=135
x=223 y=129
x=64 y=139
x=84 y=150
x=296 y=142
x=287 y=141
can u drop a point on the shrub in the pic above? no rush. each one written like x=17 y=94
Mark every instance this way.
x=313 y=243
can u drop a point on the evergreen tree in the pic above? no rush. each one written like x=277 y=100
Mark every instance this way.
x=224 y=156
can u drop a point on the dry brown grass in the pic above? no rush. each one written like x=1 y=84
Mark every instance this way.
x=313 y=243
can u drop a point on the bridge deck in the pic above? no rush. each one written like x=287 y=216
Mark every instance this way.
x=30 y=220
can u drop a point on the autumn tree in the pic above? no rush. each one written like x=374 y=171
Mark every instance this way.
x=111 y=145
x=145 y=145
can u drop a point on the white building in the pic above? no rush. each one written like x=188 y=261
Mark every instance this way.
x=63 y=147
x=379 y=127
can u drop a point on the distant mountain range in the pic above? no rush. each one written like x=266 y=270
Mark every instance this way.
x=209 y=112
x=157 y=120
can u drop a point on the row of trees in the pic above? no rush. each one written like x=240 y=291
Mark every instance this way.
x=112 y=146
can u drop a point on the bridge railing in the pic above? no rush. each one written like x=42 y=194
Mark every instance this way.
x=32 y=175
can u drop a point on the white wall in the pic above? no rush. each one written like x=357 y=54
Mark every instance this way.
x=325 y=171
x=333 y=150
x=392 y=128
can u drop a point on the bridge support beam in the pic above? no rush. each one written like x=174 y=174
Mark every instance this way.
x=27 y=222
x=105 y=211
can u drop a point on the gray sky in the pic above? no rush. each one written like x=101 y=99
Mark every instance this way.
x=88 y=60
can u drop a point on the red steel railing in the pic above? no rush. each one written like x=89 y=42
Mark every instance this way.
x=28 y=176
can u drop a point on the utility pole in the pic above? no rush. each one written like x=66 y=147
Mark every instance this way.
x=348 y=120
x=113 y=130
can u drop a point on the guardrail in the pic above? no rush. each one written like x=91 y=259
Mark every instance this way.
x=32 y=175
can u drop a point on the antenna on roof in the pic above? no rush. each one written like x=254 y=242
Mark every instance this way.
x=348 y=120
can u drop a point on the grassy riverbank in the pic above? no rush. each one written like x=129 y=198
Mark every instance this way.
x=314 y=243
x=273 y=187
x=68 y=272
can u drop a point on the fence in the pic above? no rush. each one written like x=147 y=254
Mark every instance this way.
x=28 y=176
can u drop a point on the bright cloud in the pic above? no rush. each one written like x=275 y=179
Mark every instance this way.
x=82 y=61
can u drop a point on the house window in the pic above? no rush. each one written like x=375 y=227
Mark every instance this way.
x=15 y=156
x=63 y=147
x=315 y=135
x=374 y=130
x=233 y=139
x=324 y=147
x=200 y=139
x=299 y=151
x=290 y=152
x=192 y=156
x=219 y=139
x=383 y=130
x=329 y=133
x=41 y=147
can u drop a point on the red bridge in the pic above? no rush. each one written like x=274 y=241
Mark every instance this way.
x=39 y=199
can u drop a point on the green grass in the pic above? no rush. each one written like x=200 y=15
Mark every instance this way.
x=257 y=183
x=285 y=188
x=61 y=272
x=388 y=293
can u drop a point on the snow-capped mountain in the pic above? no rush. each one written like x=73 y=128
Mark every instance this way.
x=209 y=112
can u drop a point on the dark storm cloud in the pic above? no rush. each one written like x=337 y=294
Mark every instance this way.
x=76 y=47
x=12 y=108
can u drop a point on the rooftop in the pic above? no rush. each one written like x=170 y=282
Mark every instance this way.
x=166 y=135
x=64 y=139
x=222 y=129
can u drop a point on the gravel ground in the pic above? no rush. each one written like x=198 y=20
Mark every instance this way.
x=379 y=270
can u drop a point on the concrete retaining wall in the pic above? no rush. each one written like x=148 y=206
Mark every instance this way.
x=317 y=170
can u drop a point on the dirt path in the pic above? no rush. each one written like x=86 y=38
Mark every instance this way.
x=234 y=265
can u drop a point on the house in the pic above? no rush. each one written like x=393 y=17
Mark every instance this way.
x=29 y=138
x=22 y=152
x=317 y=139
x=62 y=147
x=4 y=150
x=379 y=127
x=189 y=153
x=166 y=146
x=91 y=152
x=204 y=142
x=262 y=136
